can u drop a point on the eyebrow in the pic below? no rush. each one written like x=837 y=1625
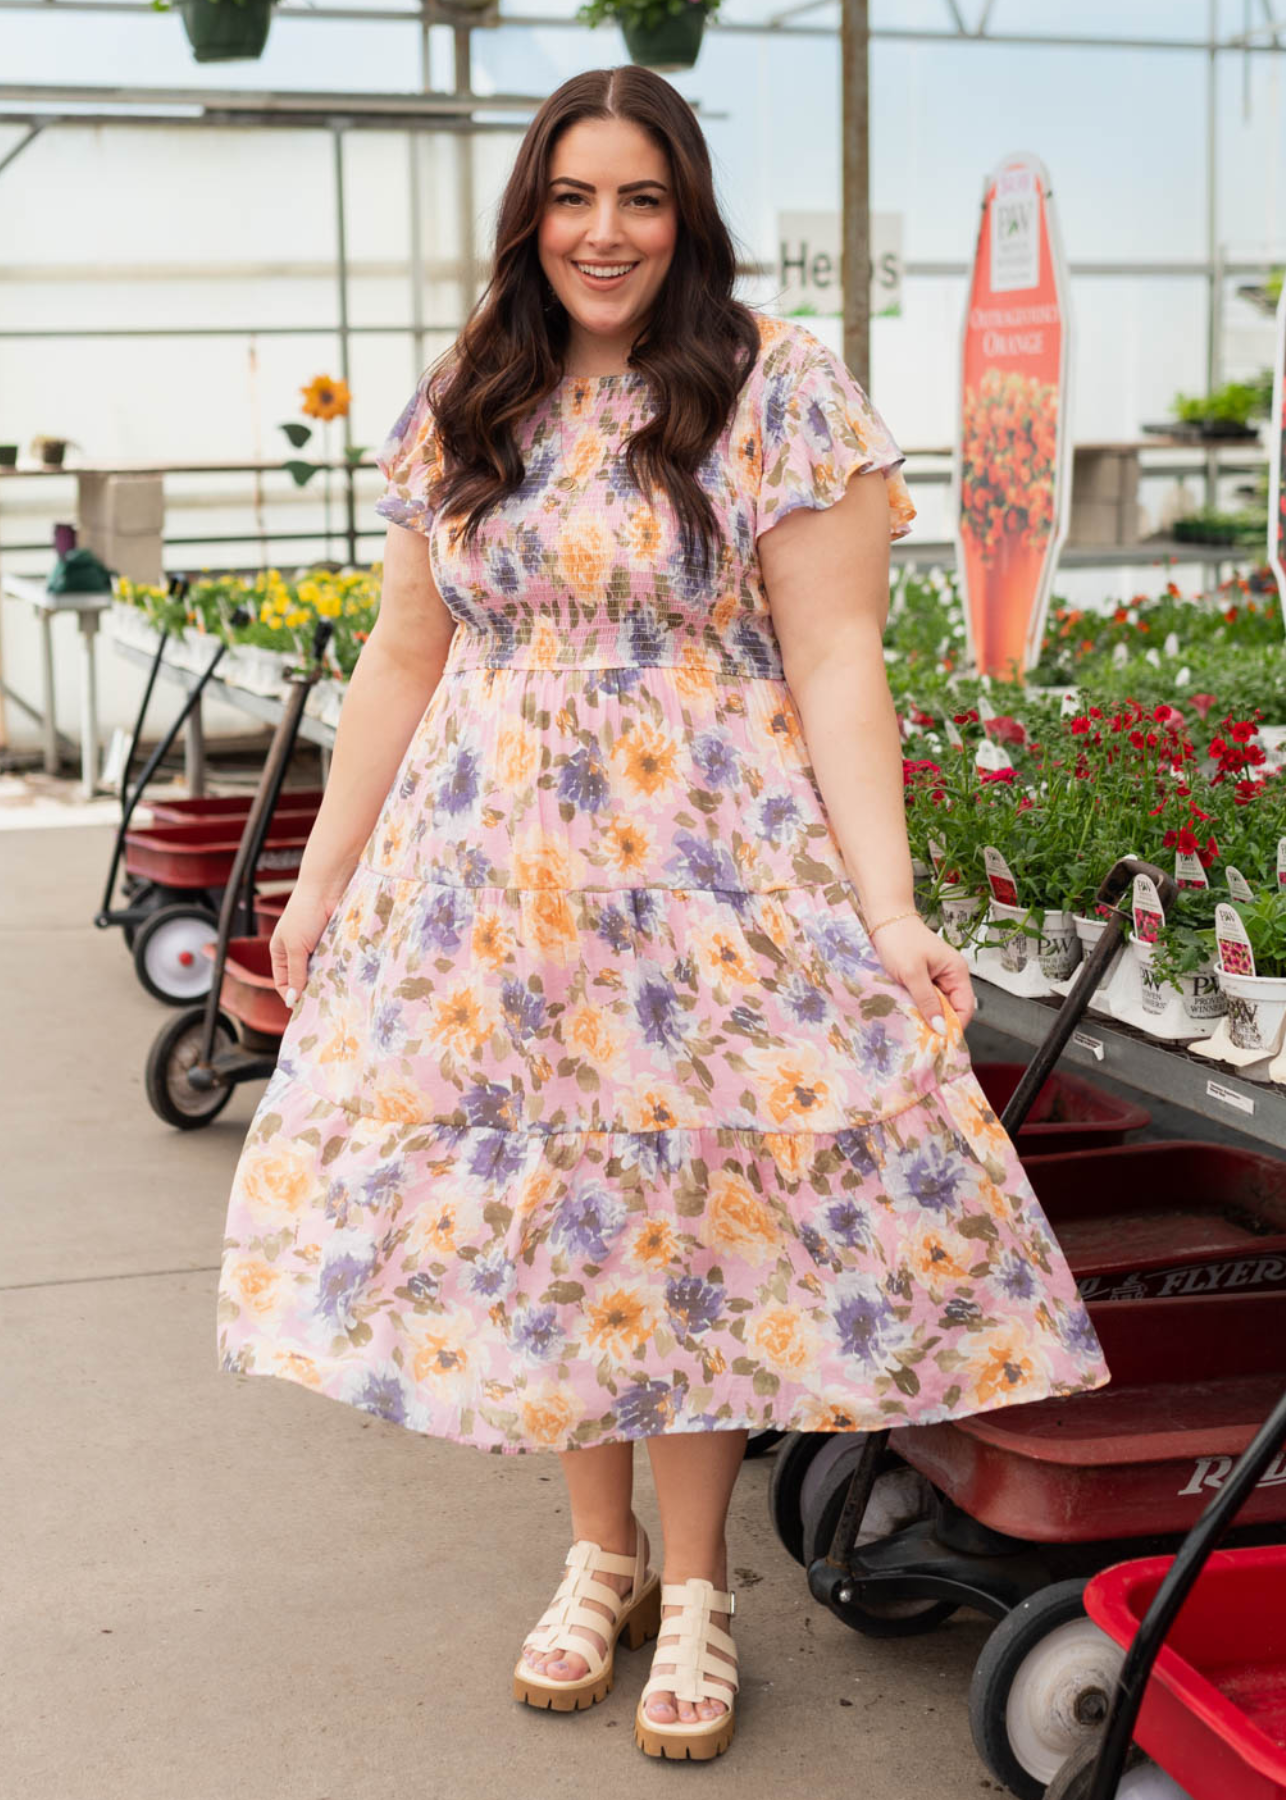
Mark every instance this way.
x=628 y=187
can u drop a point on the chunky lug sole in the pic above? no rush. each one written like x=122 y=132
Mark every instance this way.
x=701 y=1741
x=637 y=1625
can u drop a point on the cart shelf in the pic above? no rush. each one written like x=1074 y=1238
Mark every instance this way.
x=1165 y=1071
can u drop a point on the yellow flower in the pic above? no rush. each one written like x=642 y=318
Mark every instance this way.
x=653 y=1245
x=326 y=398
x=786 y=1340
x=255 y=1283
x=275 y=1186
x=462 y=1020
x=647 y=757
x=550 y=1414
x=628 y=845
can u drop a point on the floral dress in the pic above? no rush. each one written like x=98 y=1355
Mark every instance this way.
x=598 y=1116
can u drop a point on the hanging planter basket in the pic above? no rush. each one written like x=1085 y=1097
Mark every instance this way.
x=226 y=30
x=672 y=42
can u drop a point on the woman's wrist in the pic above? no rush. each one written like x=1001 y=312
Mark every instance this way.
x=880 y=920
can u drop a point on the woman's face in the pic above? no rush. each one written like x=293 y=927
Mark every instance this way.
x=610 y=206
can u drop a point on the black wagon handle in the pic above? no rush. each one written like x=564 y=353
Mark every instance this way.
x=1115 y=885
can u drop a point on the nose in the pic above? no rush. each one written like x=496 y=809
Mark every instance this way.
x=604 y=230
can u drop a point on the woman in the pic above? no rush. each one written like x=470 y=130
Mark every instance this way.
x=625 y=1095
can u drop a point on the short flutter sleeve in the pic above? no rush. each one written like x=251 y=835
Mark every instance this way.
x=818 y=430
x=410 y=459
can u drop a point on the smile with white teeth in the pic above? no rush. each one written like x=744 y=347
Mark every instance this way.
x=604 y=271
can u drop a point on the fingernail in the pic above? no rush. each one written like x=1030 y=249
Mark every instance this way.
x=291 y=997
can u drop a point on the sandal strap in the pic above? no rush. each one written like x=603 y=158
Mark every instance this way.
x=686 y=1642
x=554 y=1629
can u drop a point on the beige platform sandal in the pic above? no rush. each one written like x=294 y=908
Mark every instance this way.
x=685 y=1641
x=637 y=1615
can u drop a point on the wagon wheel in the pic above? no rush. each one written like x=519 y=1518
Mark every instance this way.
x=759 y=1443
x=1072 y=1781
x=1041 y=1688
x=151 y=901
x=899 y=1497
x=174 y=1051
x=785 y=1485
x=167 y=953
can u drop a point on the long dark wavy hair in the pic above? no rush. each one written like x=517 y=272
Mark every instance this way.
x=696 y=349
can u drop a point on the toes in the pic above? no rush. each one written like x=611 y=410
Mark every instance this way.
x=661 y=1708
x=567 y=1668
x=687 y=1712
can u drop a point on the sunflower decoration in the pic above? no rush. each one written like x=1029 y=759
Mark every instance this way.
x=326 y=398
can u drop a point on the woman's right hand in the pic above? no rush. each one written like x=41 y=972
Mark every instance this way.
x=307 y=913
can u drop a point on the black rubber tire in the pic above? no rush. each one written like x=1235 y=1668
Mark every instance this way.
x=759 y=1443
x=171 y=1098
x=1072 y=1781
x=1005 y=1656
x=145 y=948
x=821 y=1502
x=785 y=1486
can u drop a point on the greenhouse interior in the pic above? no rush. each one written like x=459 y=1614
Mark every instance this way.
x=596 y=1038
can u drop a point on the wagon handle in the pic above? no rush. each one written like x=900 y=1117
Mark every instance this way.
x=1115 y=883
x=1181 y=1578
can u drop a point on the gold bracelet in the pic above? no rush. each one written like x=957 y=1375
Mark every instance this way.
x=911 y=913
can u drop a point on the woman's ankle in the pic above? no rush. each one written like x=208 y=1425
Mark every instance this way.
x=615 y=1534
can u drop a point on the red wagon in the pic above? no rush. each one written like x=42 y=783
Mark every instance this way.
x=198 y=858
x=204 y=807
x=1067 y=1114
x=1167 y=1218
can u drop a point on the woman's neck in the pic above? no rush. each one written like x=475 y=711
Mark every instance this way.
x=589 y=356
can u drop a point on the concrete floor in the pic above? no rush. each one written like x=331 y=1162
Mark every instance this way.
x=224 y=1586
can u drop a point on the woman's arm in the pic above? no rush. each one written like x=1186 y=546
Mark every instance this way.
x=399 y=668
x=827 y=576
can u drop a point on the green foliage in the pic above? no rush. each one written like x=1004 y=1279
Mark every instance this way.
x=639 y=12
x=1265 y=920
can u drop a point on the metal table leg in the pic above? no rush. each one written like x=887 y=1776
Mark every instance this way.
x=88 y=704
x=47 y=683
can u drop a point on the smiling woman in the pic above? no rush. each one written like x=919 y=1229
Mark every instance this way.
x=626 y=1097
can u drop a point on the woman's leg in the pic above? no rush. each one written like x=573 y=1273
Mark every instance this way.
x=600 y=1486
x=695 y=1473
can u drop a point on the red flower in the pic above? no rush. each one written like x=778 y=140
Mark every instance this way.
x=994 y=775
x=1203 y=703
x=1243 y=730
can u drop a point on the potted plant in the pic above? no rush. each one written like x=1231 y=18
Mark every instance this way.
x=50 y=452
x=1179 y=993
x=1251 y=970
x=223 y=30
x=659 y=34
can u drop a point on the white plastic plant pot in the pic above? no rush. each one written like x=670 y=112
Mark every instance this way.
x=263 y=670
x=130 y=625
x=1174 y=1014
x=959 y=910
x=1010 y=954
x=1255 y=1023
x=332 y=701
x=1058 y=949
x=1088 y=933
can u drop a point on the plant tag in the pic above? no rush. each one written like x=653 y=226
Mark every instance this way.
x=999 y=877
x=1120 y=656
x=1183 y=677
x=1146 y=906
x=1188 y=871
x=1070 y=705
x=1171 y=645
x=1238 y=887
x=1281 y=862
x=953 y=732
x=1092 y=1044
x=936 y=855
x=1153 y=657
x=1235 y=954
x=986 y=710
x=991 y=756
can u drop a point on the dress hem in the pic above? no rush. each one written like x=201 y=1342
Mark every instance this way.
x=876 y=1422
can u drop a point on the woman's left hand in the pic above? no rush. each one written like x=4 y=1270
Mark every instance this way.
x=927 y=966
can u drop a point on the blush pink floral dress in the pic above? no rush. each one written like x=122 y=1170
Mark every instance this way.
x=598 y=1116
